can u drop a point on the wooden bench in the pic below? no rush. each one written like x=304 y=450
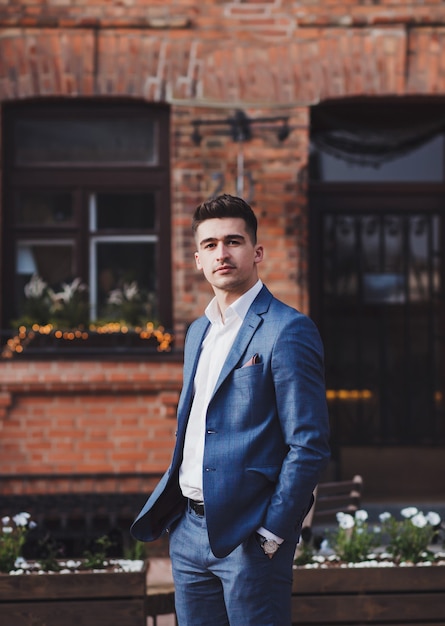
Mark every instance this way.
x=160 y=600
x=331 y=498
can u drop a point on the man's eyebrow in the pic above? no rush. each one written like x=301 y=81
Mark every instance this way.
x=225 y=238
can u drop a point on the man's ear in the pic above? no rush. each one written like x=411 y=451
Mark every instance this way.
x=259 y=254
x=197 y=261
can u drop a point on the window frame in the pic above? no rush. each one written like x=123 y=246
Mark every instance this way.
x=81 y=181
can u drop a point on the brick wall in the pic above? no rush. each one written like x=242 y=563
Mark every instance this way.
x=267 y=18
x=107 y=420
x=268 y=57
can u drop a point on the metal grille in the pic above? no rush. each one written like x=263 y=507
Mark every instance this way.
x=381 y=322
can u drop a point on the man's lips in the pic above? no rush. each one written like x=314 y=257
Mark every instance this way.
x=224 y=268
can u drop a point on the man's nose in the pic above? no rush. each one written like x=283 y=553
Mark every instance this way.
x=221 y=251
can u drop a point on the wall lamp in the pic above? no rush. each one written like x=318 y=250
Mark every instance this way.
x=239 y=127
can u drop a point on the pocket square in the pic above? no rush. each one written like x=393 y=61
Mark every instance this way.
x=252 y=361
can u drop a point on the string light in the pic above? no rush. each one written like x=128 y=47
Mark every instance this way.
x=349 y=394
x=18 y=343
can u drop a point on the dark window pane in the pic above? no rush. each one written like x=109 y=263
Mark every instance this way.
x=394 y=259
x=125 y=210
x=43 y=208
x=53 y=262
x=423 y=164
x=96 y=140
x=126 y=280
x=384 y=288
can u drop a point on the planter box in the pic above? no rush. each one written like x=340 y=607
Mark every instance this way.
x=378 y=595
x=83 y=343
x=74 y=599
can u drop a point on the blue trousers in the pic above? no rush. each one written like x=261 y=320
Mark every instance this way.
x=246 y=588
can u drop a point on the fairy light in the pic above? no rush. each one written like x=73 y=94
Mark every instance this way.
x=349 y=394
x=18 y=343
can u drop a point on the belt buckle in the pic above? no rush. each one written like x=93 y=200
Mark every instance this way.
x=197 y=507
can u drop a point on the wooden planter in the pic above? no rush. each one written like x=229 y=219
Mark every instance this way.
x=377 y=595
x=74 y=599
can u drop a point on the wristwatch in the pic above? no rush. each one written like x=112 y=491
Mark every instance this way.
x=270 y=546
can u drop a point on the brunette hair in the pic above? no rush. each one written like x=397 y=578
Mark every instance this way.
x=226 y=206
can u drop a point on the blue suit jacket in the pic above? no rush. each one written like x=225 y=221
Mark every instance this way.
x=266 y=436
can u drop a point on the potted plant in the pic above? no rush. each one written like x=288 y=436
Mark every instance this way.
x=89 y=591
x=373 y=574
x=59 y=320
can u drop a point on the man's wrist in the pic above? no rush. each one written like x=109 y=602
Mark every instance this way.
x=269 y=535
x=270 y=546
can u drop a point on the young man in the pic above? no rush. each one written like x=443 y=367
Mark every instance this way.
x=252 y=437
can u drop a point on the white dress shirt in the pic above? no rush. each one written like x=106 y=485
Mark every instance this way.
x=214 y=351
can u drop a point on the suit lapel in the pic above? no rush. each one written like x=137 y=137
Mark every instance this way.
x=251 y=322
x=194 y=342
x=192 y=351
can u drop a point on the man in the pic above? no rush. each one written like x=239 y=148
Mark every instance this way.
x=252 y=437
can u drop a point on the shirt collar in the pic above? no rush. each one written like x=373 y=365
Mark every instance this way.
x=239 y=307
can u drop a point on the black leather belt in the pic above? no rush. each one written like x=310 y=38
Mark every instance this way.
x=198 y=507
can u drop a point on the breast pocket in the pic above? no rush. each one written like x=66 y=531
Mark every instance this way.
x=245 y=376
x=243 y=390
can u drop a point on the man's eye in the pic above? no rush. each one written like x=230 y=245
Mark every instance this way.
x=233 y=242
x=208 y=246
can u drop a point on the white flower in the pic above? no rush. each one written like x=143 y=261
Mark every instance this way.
x=68 y=291
x=419 y=520
x=21 y=519
x=361 y=515
x=409 y=511
x=128 y=565
x=35 y=288
x=6 y=520
x=384 y=517
x=433 y=518
x=7 y=529
x=130 y=290
x=346 y=521
x=115 y=297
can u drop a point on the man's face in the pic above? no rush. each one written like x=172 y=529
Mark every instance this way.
x=227 y=255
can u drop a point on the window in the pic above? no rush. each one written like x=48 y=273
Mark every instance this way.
x=377 y=187
x=378 y=141
x=86 y=213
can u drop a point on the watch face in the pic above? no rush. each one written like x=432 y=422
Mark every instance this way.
x=270 y=546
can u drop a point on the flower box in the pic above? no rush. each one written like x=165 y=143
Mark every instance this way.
x=382 y=595
x=81 y=598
